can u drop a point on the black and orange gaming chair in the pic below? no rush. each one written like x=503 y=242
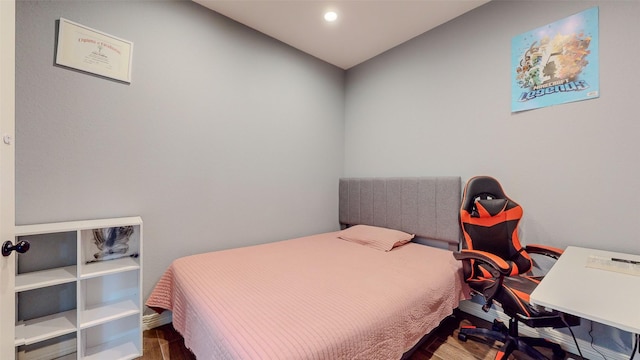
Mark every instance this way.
x=497 y=267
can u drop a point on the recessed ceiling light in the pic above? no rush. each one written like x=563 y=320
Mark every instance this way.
x=330 y=16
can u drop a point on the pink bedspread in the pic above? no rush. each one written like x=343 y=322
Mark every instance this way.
x=316 y=297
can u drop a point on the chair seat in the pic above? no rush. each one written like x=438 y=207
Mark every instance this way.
x=514 y=300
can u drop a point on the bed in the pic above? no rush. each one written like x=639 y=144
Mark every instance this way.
x=364 y=292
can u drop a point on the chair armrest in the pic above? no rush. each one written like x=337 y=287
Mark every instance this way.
x=549 y=251
x=488 y=258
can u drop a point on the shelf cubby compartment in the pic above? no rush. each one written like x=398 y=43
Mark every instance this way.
x=60 y=348
x=110 y=297
x=109 y=249
x=46 y=327
x=51 y=259
x=38 y=279
x=115 y=340
x=103 y=268
x=45 y=312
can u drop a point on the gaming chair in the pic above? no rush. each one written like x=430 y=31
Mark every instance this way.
x=497 y=267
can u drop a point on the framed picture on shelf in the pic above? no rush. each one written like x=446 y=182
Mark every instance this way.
x=110 y=243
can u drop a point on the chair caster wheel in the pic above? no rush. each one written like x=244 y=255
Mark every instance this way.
x=462 y=336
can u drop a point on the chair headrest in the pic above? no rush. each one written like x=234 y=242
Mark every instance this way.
x=484 y=208
x=481 y=187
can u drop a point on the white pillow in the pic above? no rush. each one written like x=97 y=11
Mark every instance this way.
x=375 y=237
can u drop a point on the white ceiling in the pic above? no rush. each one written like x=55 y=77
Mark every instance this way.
x=364 y=29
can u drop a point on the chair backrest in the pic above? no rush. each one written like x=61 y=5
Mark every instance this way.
x=489 y=221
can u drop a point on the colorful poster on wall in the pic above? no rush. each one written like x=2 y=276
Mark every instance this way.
x=556 y=63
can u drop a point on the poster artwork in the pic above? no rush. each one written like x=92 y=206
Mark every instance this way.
x=111 y=243
x=556 y=63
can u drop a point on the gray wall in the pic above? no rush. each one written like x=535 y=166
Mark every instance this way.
x=440 y=105
x=224 y=138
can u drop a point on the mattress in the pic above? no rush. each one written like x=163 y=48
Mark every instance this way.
x=316 y=297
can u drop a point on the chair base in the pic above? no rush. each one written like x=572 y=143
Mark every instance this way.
x=511 y=341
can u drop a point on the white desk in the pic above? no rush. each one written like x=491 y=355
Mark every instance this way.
x=607 y=297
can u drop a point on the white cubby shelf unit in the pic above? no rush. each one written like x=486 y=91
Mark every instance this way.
x=78 y=290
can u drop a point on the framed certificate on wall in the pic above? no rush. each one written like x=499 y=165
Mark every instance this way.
x=85 y=49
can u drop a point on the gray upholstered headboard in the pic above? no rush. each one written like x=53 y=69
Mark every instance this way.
x=425 y=206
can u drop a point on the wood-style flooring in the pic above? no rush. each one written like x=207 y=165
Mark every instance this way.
x=164 y=343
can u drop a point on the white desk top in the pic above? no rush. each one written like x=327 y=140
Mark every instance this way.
x=607 y=297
